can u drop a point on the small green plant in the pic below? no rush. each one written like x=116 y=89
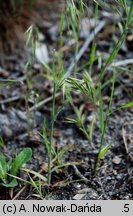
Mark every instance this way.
x=56 y=77
x=32 y=37
x=57 y=83
x=48 y=141
x=92 y=91
x=9 y=170
x=103 y=122
x=86 y=86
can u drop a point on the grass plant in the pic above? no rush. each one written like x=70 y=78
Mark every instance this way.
x=82 y=83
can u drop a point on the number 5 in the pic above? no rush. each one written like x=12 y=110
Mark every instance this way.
x=126 y=208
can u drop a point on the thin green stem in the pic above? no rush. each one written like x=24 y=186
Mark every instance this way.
x=51 y=133
x=106 y=121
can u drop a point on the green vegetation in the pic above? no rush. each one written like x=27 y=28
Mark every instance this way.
x=9 y=170
x=93 y=92
x=83 y=84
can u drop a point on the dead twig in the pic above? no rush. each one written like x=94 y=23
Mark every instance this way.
x=11 y=99
x=78 y=173
x=121 y=63
x=89 y=39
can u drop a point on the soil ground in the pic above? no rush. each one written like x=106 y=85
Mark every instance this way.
x=114 y=179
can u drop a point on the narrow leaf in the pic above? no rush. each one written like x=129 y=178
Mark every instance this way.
x=2 y=144
x=92 y=126
x=101 y=115
x=127 y=105
x=124 y=106
x=3 y=167
x=103 y=152
x=41 y=177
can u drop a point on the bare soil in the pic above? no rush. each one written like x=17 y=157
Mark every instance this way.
x=114 y=179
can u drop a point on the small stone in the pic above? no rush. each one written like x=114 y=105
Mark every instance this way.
x=79 y=196
x=77 y=185
x=91 y=194
x=108 y=178
x=7 y=132
x=21 y=115
x=119 y=177
x=84 y=190
x=116 y=160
